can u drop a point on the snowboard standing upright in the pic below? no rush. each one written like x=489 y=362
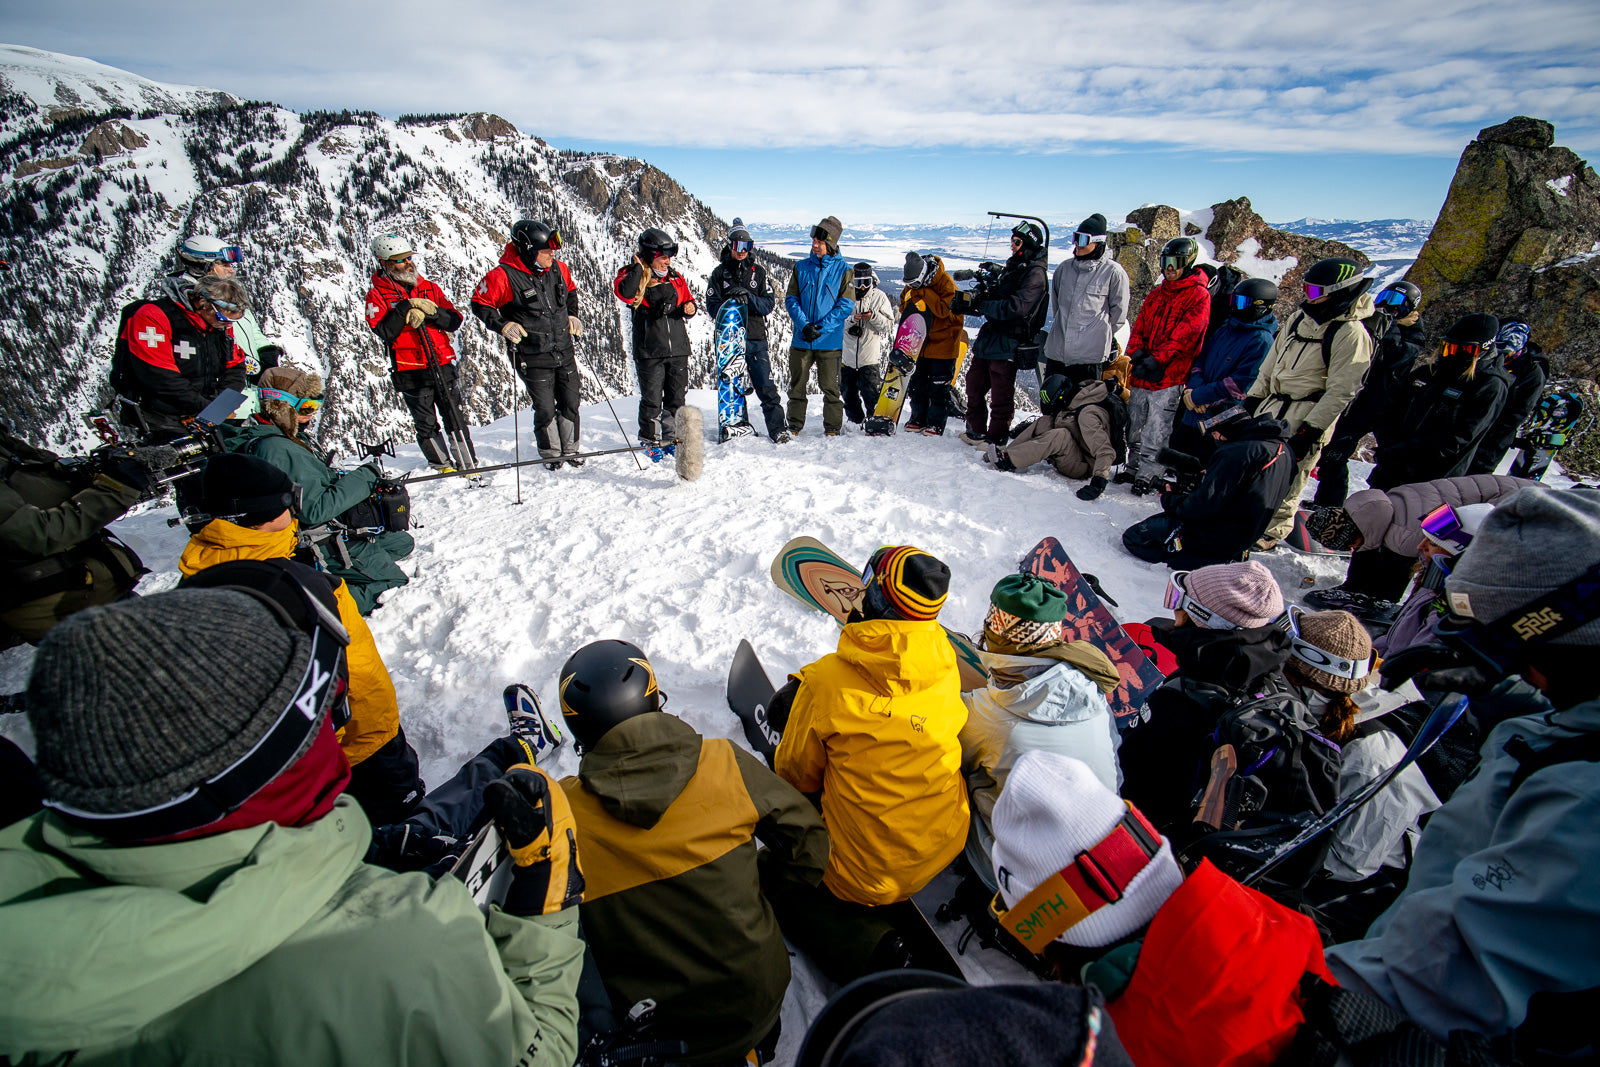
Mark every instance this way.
x=1088 y=619
x=908 y=341
x=733 y=377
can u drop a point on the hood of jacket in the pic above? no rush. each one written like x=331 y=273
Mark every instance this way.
x=1262 y=428
x=98 y=940
x=221 y=541
x=1094 y=392
x=641 y=766
x=176 y=288
x=896 y=657
x=1050 y=691
x=1234 y=659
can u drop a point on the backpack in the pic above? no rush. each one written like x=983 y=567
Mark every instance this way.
x=120 y=379
x=1117 y=410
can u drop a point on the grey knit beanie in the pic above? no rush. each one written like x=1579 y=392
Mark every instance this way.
x=136 y=702
x=1535 y=541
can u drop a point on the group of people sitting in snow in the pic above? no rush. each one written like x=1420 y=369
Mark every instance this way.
x=222 y=848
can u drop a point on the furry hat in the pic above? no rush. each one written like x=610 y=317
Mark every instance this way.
x=305 y=384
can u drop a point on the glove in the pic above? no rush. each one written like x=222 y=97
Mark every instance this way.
x=735 y=291
x=810 y=332
x=1146 y=368
x=574 y=326
x=513 y=332
x=854 y=329
x=1438 y=667
x=961 y=303
x=414 y=318
x=1304 y=442
x=533 y=816
x=131 y=473
x=1092 y=491
x=1251 y=403
x=426 y=306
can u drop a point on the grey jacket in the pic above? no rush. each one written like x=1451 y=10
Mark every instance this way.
x=1504 y=895
x=1090 y=298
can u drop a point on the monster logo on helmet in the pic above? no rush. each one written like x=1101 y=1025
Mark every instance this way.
x=1328 y=276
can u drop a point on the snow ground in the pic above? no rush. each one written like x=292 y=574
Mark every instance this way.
x=504 y=593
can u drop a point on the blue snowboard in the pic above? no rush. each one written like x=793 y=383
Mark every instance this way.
x=733 y=378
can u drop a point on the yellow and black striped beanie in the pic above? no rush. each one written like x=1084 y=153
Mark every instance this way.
x=903 y=582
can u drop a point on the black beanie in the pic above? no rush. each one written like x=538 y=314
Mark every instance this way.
x=1094 y=224
x=913 y=268
x=244 y=489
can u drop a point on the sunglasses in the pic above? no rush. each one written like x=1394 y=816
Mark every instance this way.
x=401 y=261
x=1456 y=348
x=742 y=246
x=1178 y=597
x=1321 y=659
x=1389 y=298
x=310 y=403
x=1084 y=240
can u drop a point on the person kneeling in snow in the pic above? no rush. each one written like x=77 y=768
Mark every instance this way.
x=873 y=728
x=1044 y=692
x=667 y=822
x=195 y=890
x=1081 y=433
x=1223 y=518
x=251 y=510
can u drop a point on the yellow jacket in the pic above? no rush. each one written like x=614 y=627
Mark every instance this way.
x=875 y=727
x=374 y=708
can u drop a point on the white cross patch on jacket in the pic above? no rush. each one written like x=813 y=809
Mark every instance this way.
x=151 y=336
x=184 y=350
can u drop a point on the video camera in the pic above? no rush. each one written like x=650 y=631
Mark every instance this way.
x=985 y=278
x=1183 y=472
x=167 y=461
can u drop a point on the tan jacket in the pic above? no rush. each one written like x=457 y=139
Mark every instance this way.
x=1077 y=442
x=1293 y=383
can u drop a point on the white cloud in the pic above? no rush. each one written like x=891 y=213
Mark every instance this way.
x=1273 y=76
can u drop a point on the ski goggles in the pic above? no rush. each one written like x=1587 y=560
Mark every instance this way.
x=1178 y=598
x=1320 y=658
x=1317 y=292
x=309 y=403
x=1443 y=527
x=230 y=254
x=1389 y=298
x=1240 y=301
x=1084 y=240
x=1172 y=262
x=1464 y=349
x=553 y=242
x=741 y=245
x=664 y=253
x=819 y=234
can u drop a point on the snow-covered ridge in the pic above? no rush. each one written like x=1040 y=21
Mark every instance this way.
x=52 y=81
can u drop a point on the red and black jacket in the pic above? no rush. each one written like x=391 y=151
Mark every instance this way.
x=658 y=330
x=537 y=300
x=407 y=346
x=171 y=361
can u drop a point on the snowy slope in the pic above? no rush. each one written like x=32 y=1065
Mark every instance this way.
x=503 y=593
x=52 y=80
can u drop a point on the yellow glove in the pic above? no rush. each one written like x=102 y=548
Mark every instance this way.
x=414 y=318
x=533 y=816
x=574 y=327
x=428 y=307
x=513 y=332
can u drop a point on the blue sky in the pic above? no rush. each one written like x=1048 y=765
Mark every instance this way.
x=925 y=111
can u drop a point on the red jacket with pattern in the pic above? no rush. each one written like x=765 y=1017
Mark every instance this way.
x=386 y=314
x=1172 y=327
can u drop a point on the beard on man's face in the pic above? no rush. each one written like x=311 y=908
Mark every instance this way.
x=406 y=275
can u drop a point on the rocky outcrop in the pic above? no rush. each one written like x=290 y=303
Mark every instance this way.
x=1237 y=235
x=1519 y=234
x=112 y=139
x=485 y=127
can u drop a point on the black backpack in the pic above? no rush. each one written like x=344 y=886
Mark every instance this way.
x=1117 y=409
x=120 y=380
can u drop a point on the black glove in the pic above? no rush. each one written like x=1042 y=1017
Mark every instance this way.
x=1304 y=441
x=961 y=303
x=854 y=329
x=535 y=819
x=1146 y=368
x=131 y=473
x=1251 y=403
x=1092 y=491
x=735 y=291
x=810 y=332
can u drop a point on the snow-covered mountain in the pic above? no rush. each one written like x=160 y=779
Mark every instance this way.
x=1381 y=239
x=102 y=173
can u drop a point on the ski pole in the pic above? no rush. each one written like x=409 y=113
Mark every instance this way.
x=606 y=393
x=457 y=435
x=516 y=434
x=520 y=463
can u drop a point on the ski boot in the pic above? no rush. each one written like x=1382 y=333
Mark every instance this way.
x=1362 y=606
x=536 y=732
x=973 y=439
x=572 y=460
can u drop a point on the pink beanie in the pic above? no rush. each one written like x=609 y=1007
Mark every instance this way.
x=1246 y=594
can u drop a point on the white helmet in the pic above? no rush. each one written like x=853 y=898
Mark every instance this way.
x=388 y=245
x=199 y=252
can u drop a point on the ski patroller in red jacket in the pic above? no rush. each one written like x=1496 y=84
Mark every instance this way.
x=1172 y=327
x=176 y=360
x=404 y=343
x=539 y=301
x=658 y=329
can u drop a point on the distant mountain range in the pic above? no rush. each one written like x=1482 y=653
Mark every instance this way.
x=1381 y=239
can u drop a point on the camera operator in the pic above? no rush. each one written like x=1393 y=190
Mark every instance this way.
x=1013 y=312
x=175 y=353
x=1238 y=493
x=57 y=556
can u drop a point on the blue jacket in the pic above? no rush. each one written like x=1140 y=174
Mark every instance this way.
x=821 y=292
x=1232 y=354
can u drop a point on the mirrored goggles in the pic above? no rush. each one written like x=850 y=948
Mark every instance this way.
x=1389 y=298
x=741 y=245
x=554 y=241
x=309 y=403
x=819 y=234
x=1240 y=301
x=1084 y=240
x=1178 y=597
x=1321 y=659
x=1466 y=350
x=1171 y=263
x=1443 y=525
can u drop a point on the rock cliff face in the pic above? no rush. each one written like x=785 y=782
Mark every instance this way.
x=1519 y=234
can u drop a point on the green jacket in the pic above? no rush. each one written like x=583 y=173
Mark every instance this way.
x=269 y=945
x=673 y=907
x=325 y=495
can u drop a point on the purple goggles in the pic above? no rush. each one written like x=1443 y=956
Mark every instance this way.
x=1443 y=525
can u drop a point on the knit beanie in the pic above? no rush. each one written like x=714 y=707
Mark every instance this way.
x=1535 y=541
x=833 y=228
x=1053 y=809
x=244 y=489
x=904 y=583
x=1333 y=528
x=1026 y=610
x=1471 y=518
x=739 y=232
x=305 y=384
x=135 y=703
x=1095 y=224
x=1246 y=594
x=1340 y=635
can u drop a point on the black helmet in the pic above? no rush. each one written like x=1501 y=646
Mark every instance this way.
x=1056 y=392
x=864 y=277
x=603 y=684
x=1400 y=299
x=1471 y=336
x=530 y=237
x=1252 y=299
x=653 y=242
x=1180 y=252
x=1327 y=276
x=1032 y=236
